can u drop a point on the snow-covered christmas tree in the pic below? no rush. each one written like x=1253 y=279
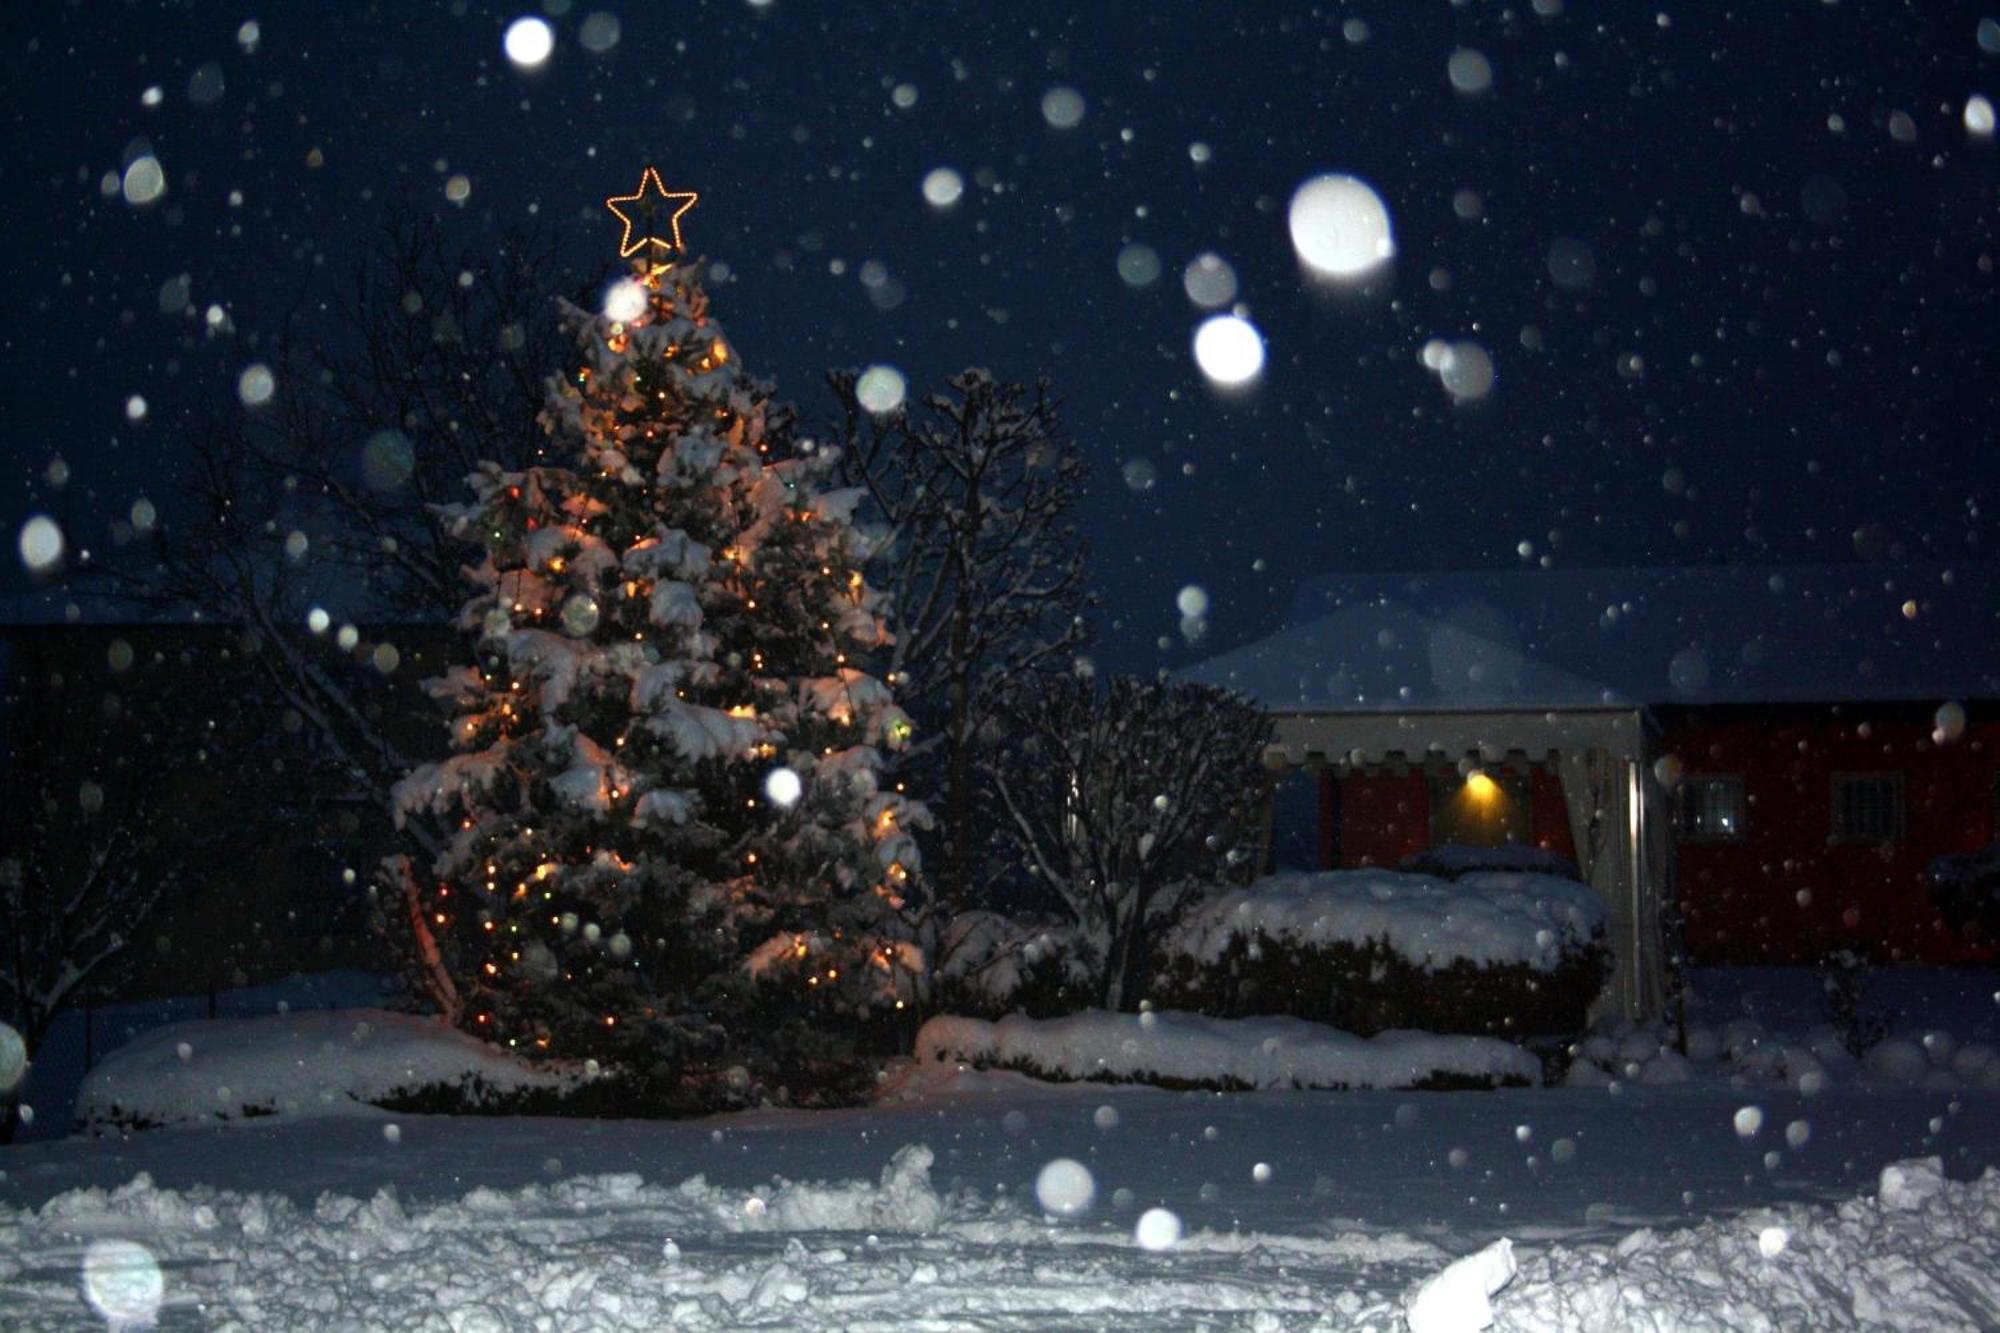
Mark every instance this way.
x=670 y=849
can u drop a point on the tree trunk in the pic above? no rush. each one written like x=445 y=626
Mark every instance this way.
x=1121 y=980
x=958 y=819
x=437 y=978
x=958 y=814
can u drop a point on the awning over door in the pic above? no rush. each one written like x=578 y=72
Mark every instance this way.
x=1617 y=813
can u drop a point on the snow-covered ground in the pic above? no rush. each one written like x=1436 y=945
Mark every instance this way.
x=1293 y=1210
x=1728 y=1200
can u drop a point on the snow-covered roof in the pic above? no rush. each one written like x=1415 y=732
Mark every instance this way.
x=1593 y=638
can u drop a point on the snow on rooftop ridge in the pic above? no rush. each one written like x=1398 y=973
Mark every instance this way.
x=1537 y=639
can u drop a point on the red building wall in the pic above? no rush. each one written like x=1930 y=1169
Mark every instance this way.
x=1550 y=816
x=1786 y=892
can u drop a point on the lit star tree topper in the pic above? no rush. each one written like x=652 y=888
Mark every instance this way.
x=642 y=211
x=674 y=849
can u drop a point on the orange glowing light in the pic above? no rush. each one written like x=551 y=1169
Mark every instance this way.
x=680 y=202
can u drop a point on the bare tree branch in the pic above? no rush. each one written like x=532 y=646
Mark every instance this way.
x=1125 y=804
x=973 y=490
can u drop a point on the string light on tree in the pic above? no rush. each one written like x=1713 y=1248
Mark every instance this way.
x=667 y=746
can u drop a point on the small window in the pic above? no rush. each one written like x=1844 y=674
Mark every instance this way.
x=1709 y=808
x=1867 y=807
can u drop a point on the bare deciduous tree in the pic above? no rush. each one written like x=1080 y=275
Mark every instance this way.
x=72 y=895
x=388 y=396
x=317 y=509
x=974 y=489
x=1127 y=803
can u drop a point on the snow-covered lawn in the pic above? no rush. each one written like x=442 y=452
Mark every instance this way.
x=1294 y=1210
x=1728 y=1200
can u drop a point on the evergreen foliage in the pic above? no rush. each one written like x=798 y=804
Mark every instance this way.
x=671 y=849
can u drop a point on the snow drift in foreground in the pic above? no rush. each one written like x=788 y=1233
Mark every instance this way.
x=1490 y=917
x=1923 y=1253
x=289 y=1064
x=1242 y=1052
x=612 y=1252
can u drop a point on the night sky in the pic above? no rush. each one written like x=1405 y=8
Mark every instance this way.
x=1767 y=331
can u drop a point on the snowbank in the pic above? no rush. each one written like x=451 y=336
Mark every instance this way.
x=1923 y=1253
x=289 y=1064
x=58 y=1070
x=546 y=1256
x=1188 y=1049
x=1488 y=917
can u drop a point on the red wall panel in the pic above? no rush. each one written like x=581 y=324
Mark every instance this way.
x=1551 y=816
x=1383 y=818
x=1786 y=892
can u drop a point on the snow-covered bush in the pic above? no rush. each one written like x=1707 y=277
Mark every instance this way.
x=1844 y=979
x=1370 y=950
x=316 y=1063
x=1177 y=1050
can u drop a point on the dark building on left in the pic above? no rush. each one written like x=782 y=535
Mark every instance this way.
x=166 y=733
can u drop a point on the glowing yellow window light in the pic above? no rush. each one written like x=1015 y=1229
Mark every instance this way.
x=1480 y=788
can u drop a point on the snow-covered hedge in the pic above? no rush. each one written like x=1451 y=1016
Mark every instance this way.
x=319 y=1063
x=1372 y=950
x=1489 y=917
x=1182 y=1050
